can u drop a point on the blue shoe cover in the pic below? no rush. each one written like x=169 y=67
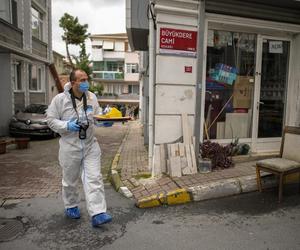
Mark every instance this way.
x=73 y=212
x=100 y=219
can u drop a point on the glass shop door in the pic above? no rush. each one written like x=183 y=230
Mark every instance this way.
x=271 y=81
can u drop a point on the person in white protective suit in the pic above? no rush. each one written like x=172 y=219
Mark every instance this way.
x=71 y=115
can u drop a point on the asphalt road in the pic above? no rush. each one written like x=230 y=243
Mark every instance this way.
x=249 y=221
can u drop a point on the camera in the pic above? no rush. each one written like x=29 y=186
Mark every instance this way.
x=82 y=130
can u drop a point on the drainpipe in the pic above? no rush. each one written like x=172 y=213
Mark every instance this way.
x=199 y=80
x=141 y=86
x=152 y=67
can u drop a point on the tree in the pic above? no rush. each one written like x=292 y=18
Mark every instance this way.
x=74 y=32
x=97 y=89
x=82 y=61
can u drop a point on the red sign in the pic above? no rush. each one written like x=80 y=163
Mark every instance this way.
x=178 y=41
x=188 y=69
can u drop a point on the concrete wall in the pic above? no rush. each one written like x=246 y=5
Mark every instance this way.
x=113 y=55
x=131 y=57
x=52 y=90
x=27 y=40
x=174 y=87
x=293 y=97
x=131 y=77
x=97 y=54
x=5 y=93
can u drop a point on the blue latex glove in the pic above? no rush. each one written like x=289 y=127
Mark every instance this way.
x=73 y=126
x=84 y=86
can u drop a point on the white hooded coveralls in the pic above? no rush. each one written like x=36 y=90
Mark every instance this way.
x=78 y=156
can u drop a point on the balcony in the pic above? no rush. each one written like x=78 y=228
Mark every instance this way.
x=11 y=34
x=118 y=99
x=39 y=48
x=108 y=75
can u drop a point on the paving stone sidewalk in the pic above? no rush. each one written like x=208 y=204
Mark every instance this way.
x=133 y=166
x=35 y=172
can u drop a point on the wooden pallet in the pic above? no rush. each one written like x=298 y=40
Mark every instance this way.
x=176 y=159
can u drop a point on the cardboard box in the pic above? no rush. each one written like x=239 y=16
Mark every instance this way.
x=237 y=125
x=243 y=92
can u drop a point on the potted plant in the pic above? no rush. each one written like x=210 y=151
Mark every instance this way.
x=219 y=155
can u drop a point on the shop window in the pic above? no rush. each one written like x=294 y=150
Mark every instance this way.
x=131 y=68
x=37 y=23
x=36 y=77
x=229 y=84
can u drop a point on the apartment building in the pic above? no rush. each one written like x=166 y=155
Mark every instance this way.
x=232 y=66
x=25 y=53
x=116 y=68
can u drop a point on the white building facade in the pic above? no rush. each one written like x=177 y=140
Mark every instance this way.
x=26 y=52
x=116 y=68
x=232 y=66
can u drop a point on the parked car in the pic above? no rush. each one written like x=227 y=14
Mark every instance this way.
x=31 y=122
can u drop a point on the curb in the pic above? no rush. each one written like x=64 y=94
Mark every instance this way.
x=206 y=191
x=115 y=176
x=211 y=190
x=174 y=197
x=229 y=187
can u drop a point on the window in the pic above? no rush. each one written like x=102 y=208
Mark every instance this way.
x=108 y=66
x=8 y=11
x=111 y=66
x=133 y=89
x=36 y=77
x=37 y=23
x=97 y=46
x=98 y=66
x=5 y=10
x=132 y=68
x=229 y=84
x=117 y=89
x=17 y=76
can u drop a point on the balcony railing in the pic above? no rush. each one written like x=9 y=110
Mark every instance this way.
x=108 y=75
x=11 y=34
x=121 y=96
x=39 y=48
